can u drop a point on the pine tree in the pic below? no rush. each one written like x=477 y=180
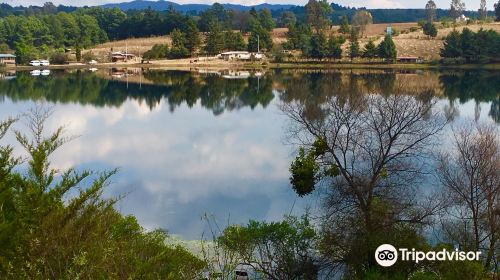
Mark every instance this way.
x=370 y=50
x=192 y=37
x=178 y=49
x=319 y=46
x=259 y=38
x=214 y=43
x=354 y=46
x=344 y=25
x=234 y=41
x=335 y=47
x=468 y=45
x=452 y=46
x=266 y=20
x=387 y=49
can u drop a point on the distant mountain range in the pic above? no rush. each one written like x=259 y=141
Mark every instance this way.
x=163 y=5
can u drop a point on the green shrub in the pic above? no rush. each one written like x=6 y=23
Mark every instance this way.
x=46 y=233
x=59 y=58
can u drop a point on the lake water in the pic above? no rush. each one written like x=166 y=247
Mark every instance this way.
x=190 y=143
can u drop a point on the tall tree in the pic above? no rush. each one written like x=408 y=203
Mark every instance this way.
x=318 y=14
x=266 y=20
x=370 y=50
x=367 y=151
x=178 y=49
x=430 y=11
x=234 y=41
x=214 y=43
x=354 y=50
x=471 y=179
x=360 y=20
x=344 y=25
x=452 y=45
x=387 y=49
x=259 y=37
x=483 y=10
x=287 y=19
x=497 y=10
x=319 y=46
x=457 y=8
x=192 y=37
x=335 y=47
x=468 y=44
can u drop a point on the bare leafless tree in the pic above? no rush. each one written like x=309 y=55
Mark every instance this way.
x=370 y=151
x=470 y=174
x=361 y=20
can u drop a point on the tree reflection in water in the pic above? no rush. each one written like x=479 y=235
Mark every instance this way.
x=218 y=94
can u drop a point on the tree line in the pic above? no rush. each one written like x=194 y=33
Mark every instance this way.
x=33 y=36
x=471 y=47
x=47 y=31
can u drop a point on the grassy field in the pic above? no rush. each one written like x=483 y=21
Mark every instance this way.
x=137 y=46
x=408 y=44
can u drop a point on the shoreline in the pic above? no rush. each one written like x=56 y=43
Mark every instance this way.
x=241 y=66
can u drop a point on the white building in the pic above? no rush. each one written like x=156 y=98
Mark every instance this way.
x=240 y=55
x=235 y=55
x=461 y=19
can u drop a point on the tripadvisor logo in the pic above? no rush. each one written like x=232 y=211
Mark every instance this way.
x=387 y=255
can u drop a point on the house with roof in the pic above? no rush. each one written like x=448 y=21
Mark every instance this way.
x=7 y=59
x=121 y=56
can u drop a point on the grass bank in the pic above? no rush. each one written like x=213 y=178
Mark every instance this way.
x=183 y=65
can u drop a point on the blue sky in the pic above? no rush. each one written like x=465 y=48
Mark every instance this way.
x=470 y=4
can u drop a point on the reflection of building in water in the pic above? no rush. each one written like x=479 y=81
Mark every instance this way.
x=231 y=74
x=7 y=75
x=410 y=59
x=124 y=72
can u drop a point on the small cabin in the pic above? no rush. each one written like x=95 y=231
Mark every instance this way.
x=120 y=56
x=410 y=59
x=7 y=59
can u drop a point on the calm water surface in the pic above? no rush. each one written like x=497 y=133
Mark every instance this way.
x=190 y=143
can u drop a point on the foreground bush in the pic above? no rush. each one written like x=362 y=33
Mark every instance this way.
x=57 y=225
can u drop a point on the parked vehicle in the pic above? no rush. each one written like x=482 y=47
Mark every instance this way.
x=92 y=62
x=35 y=72
x=35 y=63
x=44 y=63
